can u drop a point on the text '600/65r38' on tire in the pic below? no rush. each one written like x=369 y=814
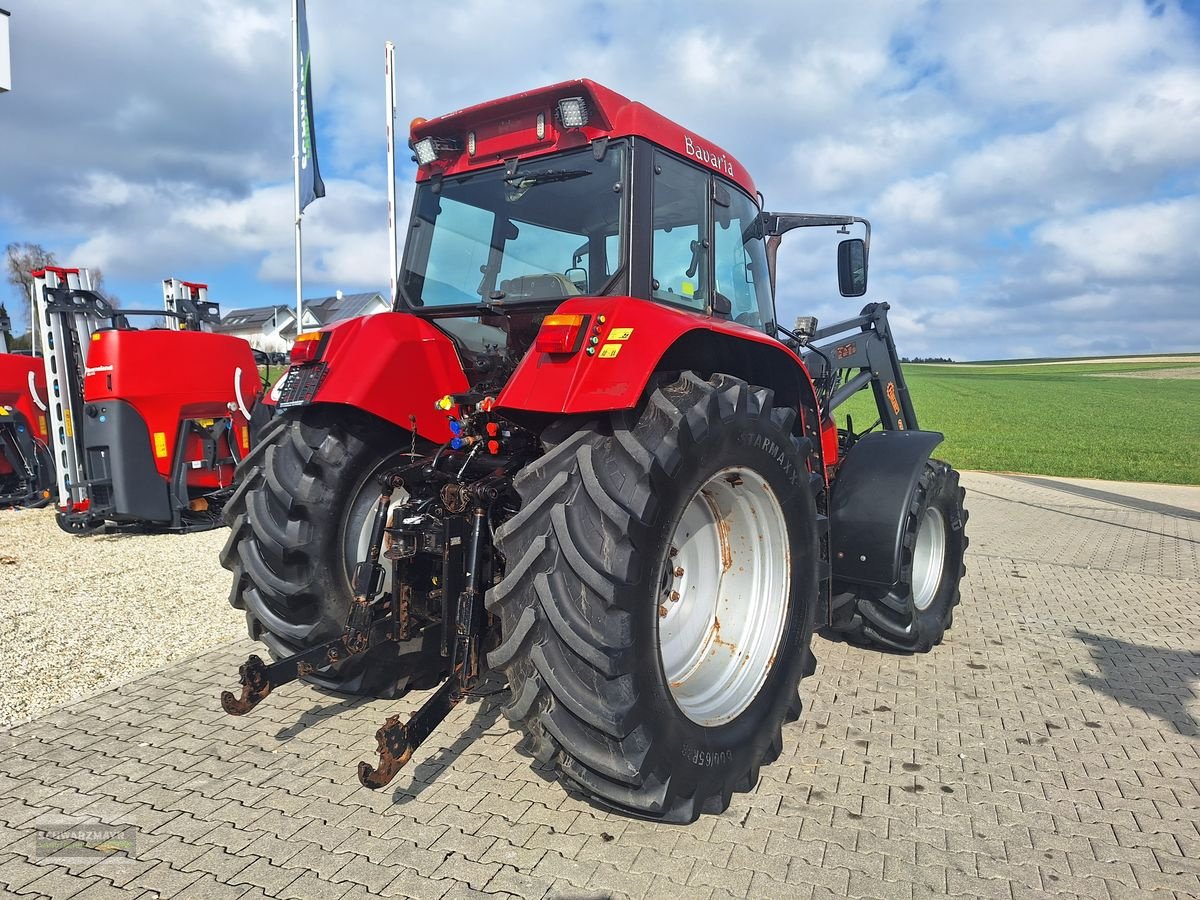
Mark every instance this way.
x=657 y=606
x=300 y=518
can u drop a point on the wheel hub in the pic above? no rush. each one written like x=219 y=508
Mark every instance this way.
x=724 y=597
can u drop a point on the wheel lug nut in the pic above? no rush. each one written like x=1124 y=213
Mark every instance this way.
x=662 y=612
x=674 y=596
x=679 y=571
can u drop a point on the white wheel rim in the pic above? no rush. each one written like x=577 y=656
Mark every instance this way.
x=724 y=602
x=929 y=558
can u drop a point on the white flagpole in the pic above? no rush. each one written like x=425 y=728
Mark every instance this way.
x=296 y=159
x=389 y=67
x=34 y=346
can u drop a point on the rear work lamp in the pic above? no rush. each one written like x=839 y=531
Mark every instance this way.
x=307 y=347
x=573 y=112
x=559 y=334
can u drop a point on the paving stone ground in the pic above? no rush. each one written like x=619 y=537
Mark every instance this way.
x=1051 y=746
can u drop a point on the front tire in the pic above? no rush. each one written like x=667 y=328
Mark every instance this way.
x=297 y=519
x=623 y=672
x=915 y=614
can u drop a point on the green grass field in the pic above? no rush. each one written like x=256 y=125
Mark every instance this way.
x=1065 y=419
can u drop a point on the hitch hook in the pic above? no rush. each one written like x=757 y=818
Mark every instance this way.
x=256 y=685
x=395 y=750
x=397 y=740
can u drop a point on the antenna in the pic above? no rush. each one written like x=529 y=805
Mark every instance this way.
x=389 y=68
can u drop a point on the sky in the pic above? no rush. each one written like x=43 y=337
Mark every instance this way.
x=1031 y=169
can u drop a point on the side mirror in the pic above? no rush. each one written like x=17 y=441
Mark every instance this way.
x=852 y=267
x=578 y=276
x=260 y=358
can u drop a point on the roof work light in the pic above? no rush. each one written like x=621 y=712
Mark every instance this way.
x=430 y=148
x=573 y=112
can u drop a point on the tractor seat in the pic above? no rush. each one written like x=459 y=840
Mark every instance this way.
x=533 y=287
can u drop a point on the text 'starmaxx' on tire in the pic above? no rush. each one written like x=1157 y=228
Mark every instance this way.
x=304 y=496
x=914 y=615
x=628 y=547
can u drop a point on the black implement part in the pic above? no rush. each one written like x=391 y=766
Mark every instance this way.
x=365 y=626
x=258 y=679
x=396 y=742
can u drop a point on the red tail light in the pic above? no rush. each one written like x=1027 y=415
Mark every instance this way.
x=307 y=347
x=559 y=334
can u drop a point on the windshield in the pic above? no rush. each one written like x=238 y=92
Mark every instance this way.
x=549 y=231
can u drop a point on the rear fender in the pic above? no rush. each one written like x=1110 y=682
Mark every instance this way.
x=394 y=366
x=23 y=387
x=869 y=508
x=634 y=339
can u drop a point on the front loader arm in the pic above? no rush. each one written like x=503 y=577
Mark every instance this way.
x=870 y=349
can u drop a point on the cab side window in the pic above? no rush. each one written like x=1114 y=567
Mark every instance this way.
x=680 y=253
x=740 y=260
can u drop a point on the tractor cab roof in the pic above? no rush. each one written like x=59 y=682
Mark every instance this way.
x=538 y=122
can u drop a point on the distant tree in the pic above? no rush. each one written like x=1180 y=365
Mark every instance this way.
x=20 y=261
x=99 y=288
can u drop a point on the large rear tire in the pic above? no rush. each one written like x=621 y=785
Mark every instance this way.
x=657 y=606
x=914 y=616
x=298 y=517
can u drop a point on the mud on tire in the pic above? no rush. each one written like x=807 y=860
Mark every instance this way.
x=905 y=619
x=579 y=603
x=302 y=495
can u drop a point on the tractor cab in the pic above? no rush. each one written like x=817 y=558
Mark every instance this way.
x=574 y=190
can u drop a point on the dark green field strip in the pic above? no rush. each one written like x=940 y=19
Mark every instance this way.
x=1083 y=368
x=1048 y=422
x=1062 y=359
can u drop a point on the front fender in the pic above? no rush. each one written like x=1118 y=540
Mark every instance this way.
x=869 y=508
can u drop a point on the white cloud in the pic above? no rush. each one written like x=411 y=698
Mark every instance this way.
x=1147 y=242
x=1023 y=163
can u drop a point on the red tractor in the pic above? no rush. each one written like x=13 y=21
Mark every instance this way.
x=147 y=425
x=583 y=453
x=26 y=461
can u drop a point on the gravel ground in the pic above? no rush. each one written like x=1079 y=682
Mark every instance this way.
x=81 y=614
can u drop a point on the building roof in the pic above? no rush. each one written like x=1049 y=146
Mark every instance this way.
x=337 y=309
x=250 y=317
x=326 y=310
